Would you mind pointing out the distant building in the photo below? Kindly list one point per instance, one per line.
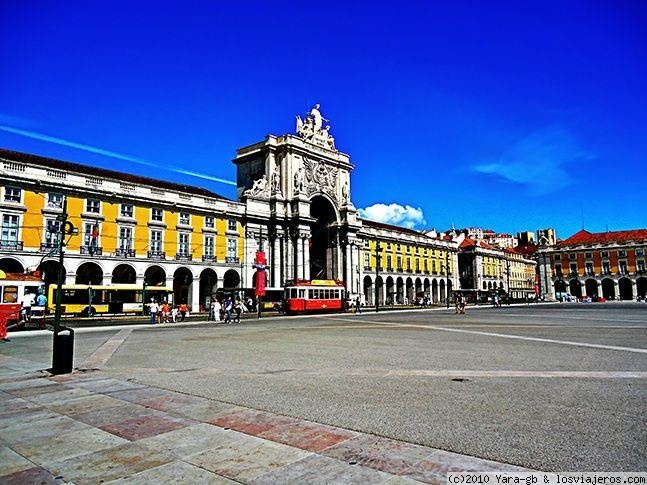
(607, 264)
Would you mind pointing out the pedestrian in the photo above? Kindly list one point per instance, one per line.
(166, 312)
(174, 314)
(238, 308)
(184, 309)
(228, 308)
(3, 329)
(27, 302)
(153, 308)
(216, 310)
(457, 304)
(462, 304)
(41, 302)
(358, 305)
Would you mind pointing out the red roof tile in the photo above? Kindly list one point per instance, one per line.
(586, 237)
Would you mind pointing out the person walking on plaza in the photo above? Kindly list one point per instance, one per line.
(153, 308)
(216, 307)
(358, 305)
(228, 308)
(238, 308)
(184, 309)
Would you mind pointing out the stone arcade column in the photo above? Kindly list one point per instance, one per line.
(306, 258)
(348, 267)
(288, 261)
(299, 249)
(195, 294)
(275, 264)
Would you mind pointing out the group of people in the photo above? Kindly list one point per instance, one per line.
(460, 303)
(31, 303)
(229, 311)
(164, 312)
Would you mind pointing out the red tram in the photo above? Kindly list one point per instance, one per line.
(13, 288)
(310, 296)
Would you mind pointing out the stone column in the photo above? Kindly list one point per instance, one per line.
(306, 258)
(299, 248)
(339, 266)
(616, 289)
(348, 267)
(599, 282)
(194, 304)
(275, 270)
(289, 259)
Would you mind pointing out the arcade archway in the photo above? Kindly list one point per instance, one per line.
(624, 289)
(182, 286)
(608, 289)
(125, 274)
(89, 274)
(155, 276)
(231, 279)
(10, 265)
(324, 257)
(208, 284)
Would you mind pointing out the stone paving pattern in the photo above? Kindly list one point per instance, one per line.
(85, 428)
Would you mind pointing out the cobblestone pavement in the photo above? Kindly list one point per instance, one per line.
(87, 428)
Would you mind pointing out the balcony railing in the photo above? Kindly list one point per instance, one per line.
(48, 247)
(400, 270)
(11, 245)
(183, 257)
(156, 255)
(125, 253)
(92, 250)
(232, 259)
(209, 258)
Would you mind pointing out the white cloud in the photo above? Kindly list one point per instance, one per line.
(396, 214)
(539, 160)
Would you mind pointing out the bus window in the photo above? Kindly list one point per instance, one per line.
(10, 294)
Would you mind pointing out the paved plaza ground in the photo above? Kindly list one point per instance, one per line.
(402, 396)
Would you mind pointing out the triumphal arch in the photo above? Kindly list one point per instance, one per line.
(296, 189)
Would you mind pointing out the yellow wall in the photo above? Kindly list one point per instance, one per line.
(32, 222)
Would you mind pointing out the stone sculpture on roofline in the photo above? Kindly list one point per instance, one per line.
(311, 129)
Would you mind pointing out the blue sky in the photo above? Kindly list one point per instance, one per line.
(506, 115)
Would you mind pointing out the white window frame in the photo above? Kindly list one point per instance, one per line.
(90, 206)
(54, 199)
(232, 225)
(232, 248)
(10, 232)
(12, 195)
(156, 244)
(126, 238)
(209, 246)
(184, 243)
(184, 218)
(157, 214)
(127, 210)
(209, 222)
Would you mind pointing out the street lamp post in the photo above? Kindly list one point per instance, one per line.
(378, 257)
(63, 345)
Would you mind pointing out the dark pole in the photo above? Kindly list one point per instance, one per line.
(545, 277)
(59, 280)
(377, 274)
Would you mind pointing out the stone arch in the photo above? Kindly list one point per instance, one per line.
(208, 285)
(575, 288)
(324, 257)
(379, 290)
(155, 276)
(442, 291)
(591, 287)
(625, 289)
(560, 286)
(124, 274)
(399, 290)
(49, 271)
(418, 286)
(11, 265)
(231, 279)
(368, 290)
(641, 287)
(390, 293)
(409, 290)
(450, 286)
(89, 273)
(484, 285)
(182, 285)
(434, 290)
(426, 287)
(608, 289)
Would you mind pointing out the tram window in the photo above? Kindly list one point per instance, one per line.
(311, 294)
(327, 294)
(10, 294)
(293, 292)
